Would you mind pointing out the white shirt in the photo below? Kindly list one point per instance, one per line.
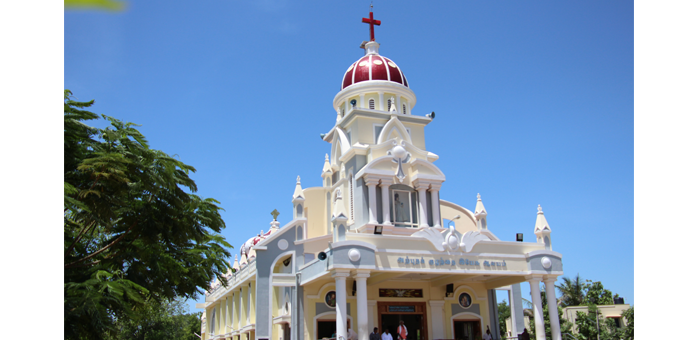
(352, 335)
(387, 336)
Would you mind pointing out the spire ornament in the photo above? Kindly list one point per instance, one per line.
(400, 156)
(371, 23)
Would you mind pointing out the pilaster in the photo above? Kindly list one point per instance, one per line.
(372, 190)
(421, 187)
(435, 201)
(437, 318)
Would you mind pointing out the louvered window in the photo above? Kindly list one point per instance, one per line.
(371, 104)
(404, 108)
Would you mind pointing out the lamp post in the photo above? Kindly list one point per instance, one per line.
(452, 220)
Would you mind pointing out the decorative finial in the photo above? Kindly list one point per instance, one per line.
(539, 209)
(274, 214)
(298, 179)
(401, 156)
(478, 197)
(371, 23)
(392, 104)
(326, 156)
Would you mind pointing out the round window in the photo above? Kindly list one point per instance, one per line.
(330, 299)
(465, 300)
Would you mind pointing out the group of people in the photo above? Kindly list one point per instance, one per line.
(401, 331)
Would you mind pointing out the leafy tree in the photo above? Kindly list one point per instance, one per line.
(628, 332)
(108, 5)
(159, 320)
(503, 314)
(596, 294)
(591, 326)
(572, 291)
(132, 232)
(586, 324)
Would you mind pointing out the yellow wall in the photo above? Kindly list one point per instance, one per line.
(316, 204)
(244, 307)
(478, 293)
(252, 303)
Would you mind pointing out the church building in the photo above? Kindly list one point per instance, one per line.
(375, 245)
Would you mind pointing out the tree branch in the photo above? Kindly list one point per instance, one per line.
(80, 235)
(103, 248)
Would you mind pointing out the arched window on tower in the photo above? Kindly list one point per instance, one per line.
(404, 108)
(371, 104)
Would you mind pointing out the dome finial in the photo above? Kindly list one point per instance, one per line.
(371, 23)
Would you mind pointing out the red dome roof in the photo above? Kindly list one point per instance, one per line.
(373, 67)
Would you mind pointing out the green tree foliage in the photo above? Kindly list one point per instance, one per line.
(596, 294)
(133, 229)
(572, 291)
(107, 5)
(592, 327)
(158, 320)
(628, 332)
(503, 314)
(579, 292)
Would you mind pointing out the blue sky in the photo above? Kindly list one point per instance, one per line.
(534, 104)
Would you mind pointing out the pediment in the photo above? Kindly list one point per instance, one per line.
(394, 129)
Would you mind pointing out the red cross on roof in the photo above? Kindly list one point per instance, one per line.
(371, 23)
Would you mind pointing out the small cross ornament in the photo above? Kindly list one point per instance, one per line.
(400, 156)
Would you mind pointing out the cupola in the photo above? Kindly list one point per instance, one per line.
(373, 67)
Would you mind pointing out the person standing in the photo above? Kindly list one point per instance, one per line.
(401, 331)
(375, 335)
(525, 335)
(386, 335)
(487, 336)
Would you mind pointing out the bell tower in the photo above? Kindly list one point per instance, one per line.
(378, 144)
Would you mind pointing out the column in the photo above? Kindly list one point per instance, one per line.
(386, 209)
(234, 310)
(422, 200)
(434, 188)
(220, 315)
(241, 309)
(372, 314)
(553, 312)
(227, 316)
(398, 104)
(516, 309)
(537, 307)
(372, 188)
(341, 313)
(362, 311)
(381, 105)
(437, 319)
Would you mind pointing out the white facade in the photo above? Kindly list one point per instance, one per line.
(375, 244)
